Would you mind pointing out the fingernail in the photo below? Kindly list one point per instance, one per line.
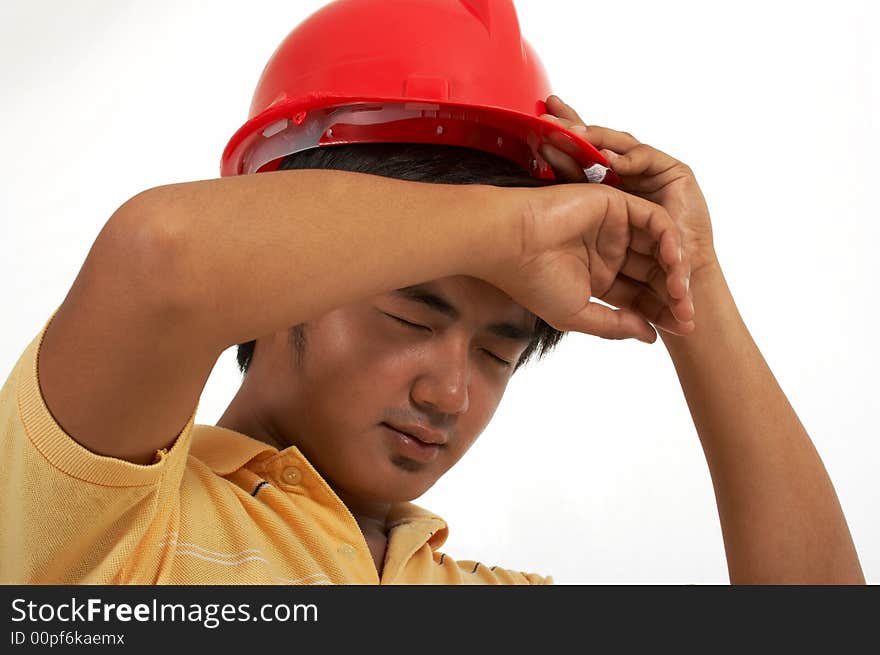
(679, 254)
(687, 282)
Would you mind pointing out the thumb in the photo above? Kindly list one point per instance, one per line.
(610, 323)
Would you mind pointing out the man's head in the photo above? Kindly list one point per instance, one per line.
(436, 356)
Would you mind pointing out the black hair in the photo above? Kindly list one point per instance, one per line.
(441, 164)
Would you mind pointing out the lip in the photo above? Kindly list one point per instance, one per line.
(426, 436)
(412, 447)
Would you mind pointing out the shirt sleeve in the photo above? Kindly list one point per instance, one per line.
(68, 515)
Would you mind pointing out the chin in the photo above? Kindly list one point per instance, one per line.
(384, 477)
(404, 487)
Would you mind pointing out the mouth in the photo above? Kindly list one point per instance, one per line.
(411, 446)
(421, 434)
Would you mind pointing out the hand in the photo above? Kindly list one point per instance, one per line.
(648, 173)
(571, 244)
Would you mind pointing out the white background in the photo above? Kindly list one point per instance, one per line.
(591, 470)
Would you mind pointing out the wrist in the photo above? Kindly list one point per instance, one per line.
(706, 275)
(494, 220)
(714, 308)
(704, 264)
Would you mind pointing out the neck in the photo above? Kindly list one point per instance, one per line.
(240, 418)
(370, 516)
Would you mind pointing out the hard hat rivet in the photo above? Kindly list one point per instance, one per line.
(329, 132)
(500, 142)
(439, 129)
(534, 164)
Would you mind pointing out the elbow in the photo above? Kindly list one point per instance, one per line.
(143, 244)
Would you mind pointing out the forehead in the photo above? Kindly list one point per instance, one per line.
(467, 299)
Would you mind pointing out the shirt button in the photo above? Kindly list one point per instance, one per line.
(347, 550)
(291, 475)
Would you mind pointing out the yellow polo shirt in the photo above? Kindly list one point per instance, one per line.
(218, 508)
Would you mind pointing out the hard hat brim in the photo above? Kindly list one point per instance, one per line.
(291, 126)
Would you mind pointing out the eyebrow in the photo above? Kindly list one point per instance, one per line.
(422, 294)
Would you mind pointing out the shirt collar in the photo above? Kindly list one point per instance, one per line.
(225, 451)
(412, 517)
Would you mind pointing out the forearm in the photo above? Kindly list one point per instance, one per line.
(260, 253)
(780, 517)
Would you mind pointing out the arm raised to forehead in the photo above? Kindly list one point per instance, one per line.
(258, 253)
(181, 272)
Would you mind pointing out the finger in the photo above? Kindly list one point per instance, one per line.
(631, 211)
(629, 294)
(653, 219)
(626, 154)
(642, 242)
(557, 106)
(657, 224)
(678, 272)
(643, 268)
(642, 160)
(574, 126)
(608, 323)
(564, 142)
(554, 138)
(603, 137)
(648, 271)
(566, 148)
(564, 166)
(558, 120)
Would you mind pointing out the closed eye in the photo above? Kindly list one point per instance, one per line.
(400, 320)
(492, 355)
(497, 358)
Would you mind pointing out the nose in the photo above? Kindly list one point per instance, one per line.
(444, 381)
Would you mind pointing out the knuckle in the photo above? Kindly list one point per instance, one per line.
(611, 327)
(564, 325)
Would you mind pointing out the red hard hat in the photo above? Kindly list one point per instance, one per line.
(454, 72)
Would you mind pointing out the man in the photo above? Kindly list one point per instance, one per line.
(410, 331)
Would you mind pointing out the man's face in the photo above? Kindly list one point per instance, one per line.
(364, 369)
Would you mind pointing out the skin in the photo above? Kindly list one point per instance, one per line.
(780, 517)
(443, 375)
